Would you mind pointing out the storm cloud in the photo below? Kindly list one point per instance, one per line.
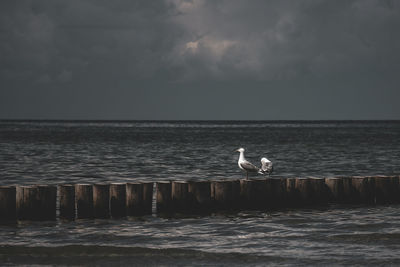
(174, 59)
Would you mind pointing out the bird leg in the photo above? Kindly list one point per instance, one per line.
(247, 175)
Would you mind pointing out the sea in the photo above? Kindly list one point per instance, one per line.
(55, 152)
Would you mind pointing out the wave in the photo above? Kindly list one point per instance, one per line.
(96, 255)
(106, 255)
(365, 238)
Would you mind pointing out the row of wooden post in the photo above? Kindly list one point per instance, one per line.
(275, 193)
(191, 197)
(76, 201)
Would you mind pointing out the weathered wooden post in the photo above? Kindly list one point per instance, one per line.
(27, 203)
(134, 199)
(275, 194)
(101, 201)
(66, 194)
(259, 193)
(319, 191)
(118, 200)
(254, 193)
(291, 195)
(7, 203)
(36, 202)
(396, 182)
(245, 189)
(180, 196)
(21, 206)
(396, 188)
(348, 194)
(223, 194)
(47, 197)
(363, 189)
(200, 194)
(386, 189)
(304, 189)
(84, 201)
(335, 189)
(163, 196)
(236, 194)
(148, 197)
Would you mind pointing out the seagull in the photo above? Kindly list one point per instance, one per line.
(266, 167)
(245, 165)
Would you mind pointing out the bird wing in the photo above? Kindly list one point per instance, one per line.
(266, 166)
(248, 166)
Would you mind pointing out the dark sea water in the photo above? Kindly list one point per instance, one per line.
(51, 152)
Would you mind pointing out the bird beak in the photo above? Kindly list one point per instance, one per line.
(237, 150)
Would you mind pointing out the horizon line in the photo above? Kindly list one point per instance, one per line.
(198, 120)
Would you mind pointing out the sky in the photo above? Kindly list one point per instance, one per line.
(200, 60)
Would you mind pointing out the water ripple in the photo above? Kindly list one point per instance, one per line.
(59, 152)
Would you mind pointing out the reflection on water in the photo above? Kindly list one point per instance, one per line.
(345, 235)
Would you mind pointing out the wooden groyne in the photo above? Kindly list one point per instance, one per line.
(116, 200)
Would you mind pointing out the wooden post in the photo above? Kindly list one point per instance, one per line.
(148, 197)
(101, 201)
(27, 203)
(200, 192)
(291, 194)
(236, 194)
(363, 189)
(259, 191)
(134, 199)
(396, 188)
(223, 194)
(304, 189)
(335, 189)
(275, 192)
(319, 191)
(348, 194)
(66, 194)
(254, 193)
(84, 201)
(118, 200)
(47, 198)
(7, 203)
(163, 197)
(180, 196)
(36, 202)
(245, 194)
(386, 189)
(20, 206)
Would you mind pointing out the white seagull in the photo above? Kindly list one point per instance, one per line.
(266, 166)
(245, 165)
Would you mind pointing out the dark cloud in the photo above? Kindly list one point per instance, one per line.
(287, 39)
(173, 59)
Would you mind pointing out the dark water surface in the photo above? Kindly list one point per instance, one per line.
(58, 152)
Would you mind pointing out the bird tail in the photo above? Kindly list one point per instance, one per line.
(267, 170)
